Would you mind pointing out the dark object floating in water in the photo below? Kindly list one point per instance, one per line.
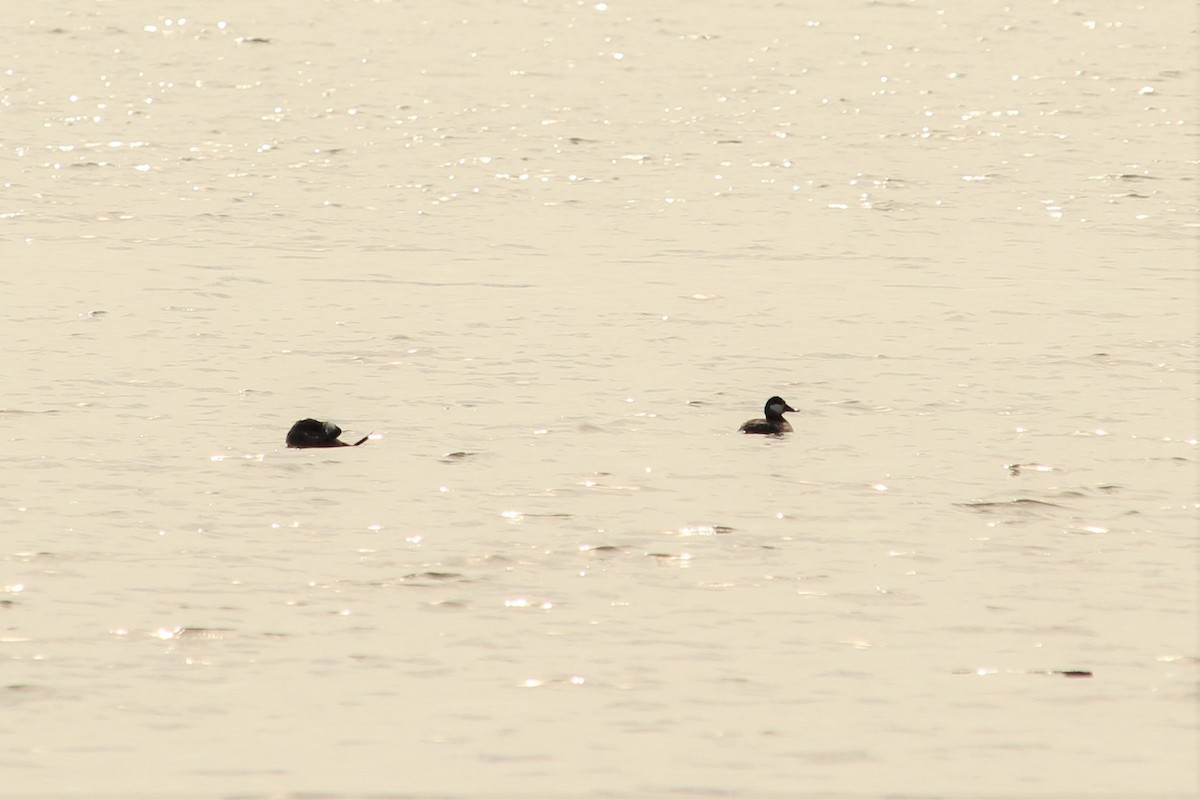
(774, 424)
(314, 433)
(1066, 673)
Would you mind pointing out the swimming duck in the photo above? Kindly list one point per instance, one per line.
(314, 433)
(774, 424)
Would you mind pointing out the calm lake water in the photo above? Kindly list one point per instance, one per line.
(552, 255)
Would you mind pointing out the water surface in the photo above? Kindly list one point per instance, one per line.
(552, 255)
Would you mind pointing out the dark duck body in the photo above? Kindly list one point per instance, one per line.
(774, 424)
(314, 433)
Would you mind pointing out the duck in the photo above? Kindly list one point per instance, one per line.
(314, 433)
(774, 424)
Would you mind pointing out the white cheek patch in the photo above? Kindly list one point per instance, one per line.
(777, 409)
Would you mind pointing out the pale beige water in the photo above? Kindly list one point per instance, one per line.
(583, 243)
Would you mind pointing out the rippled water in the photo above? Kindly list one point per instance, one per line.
(552, 255)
